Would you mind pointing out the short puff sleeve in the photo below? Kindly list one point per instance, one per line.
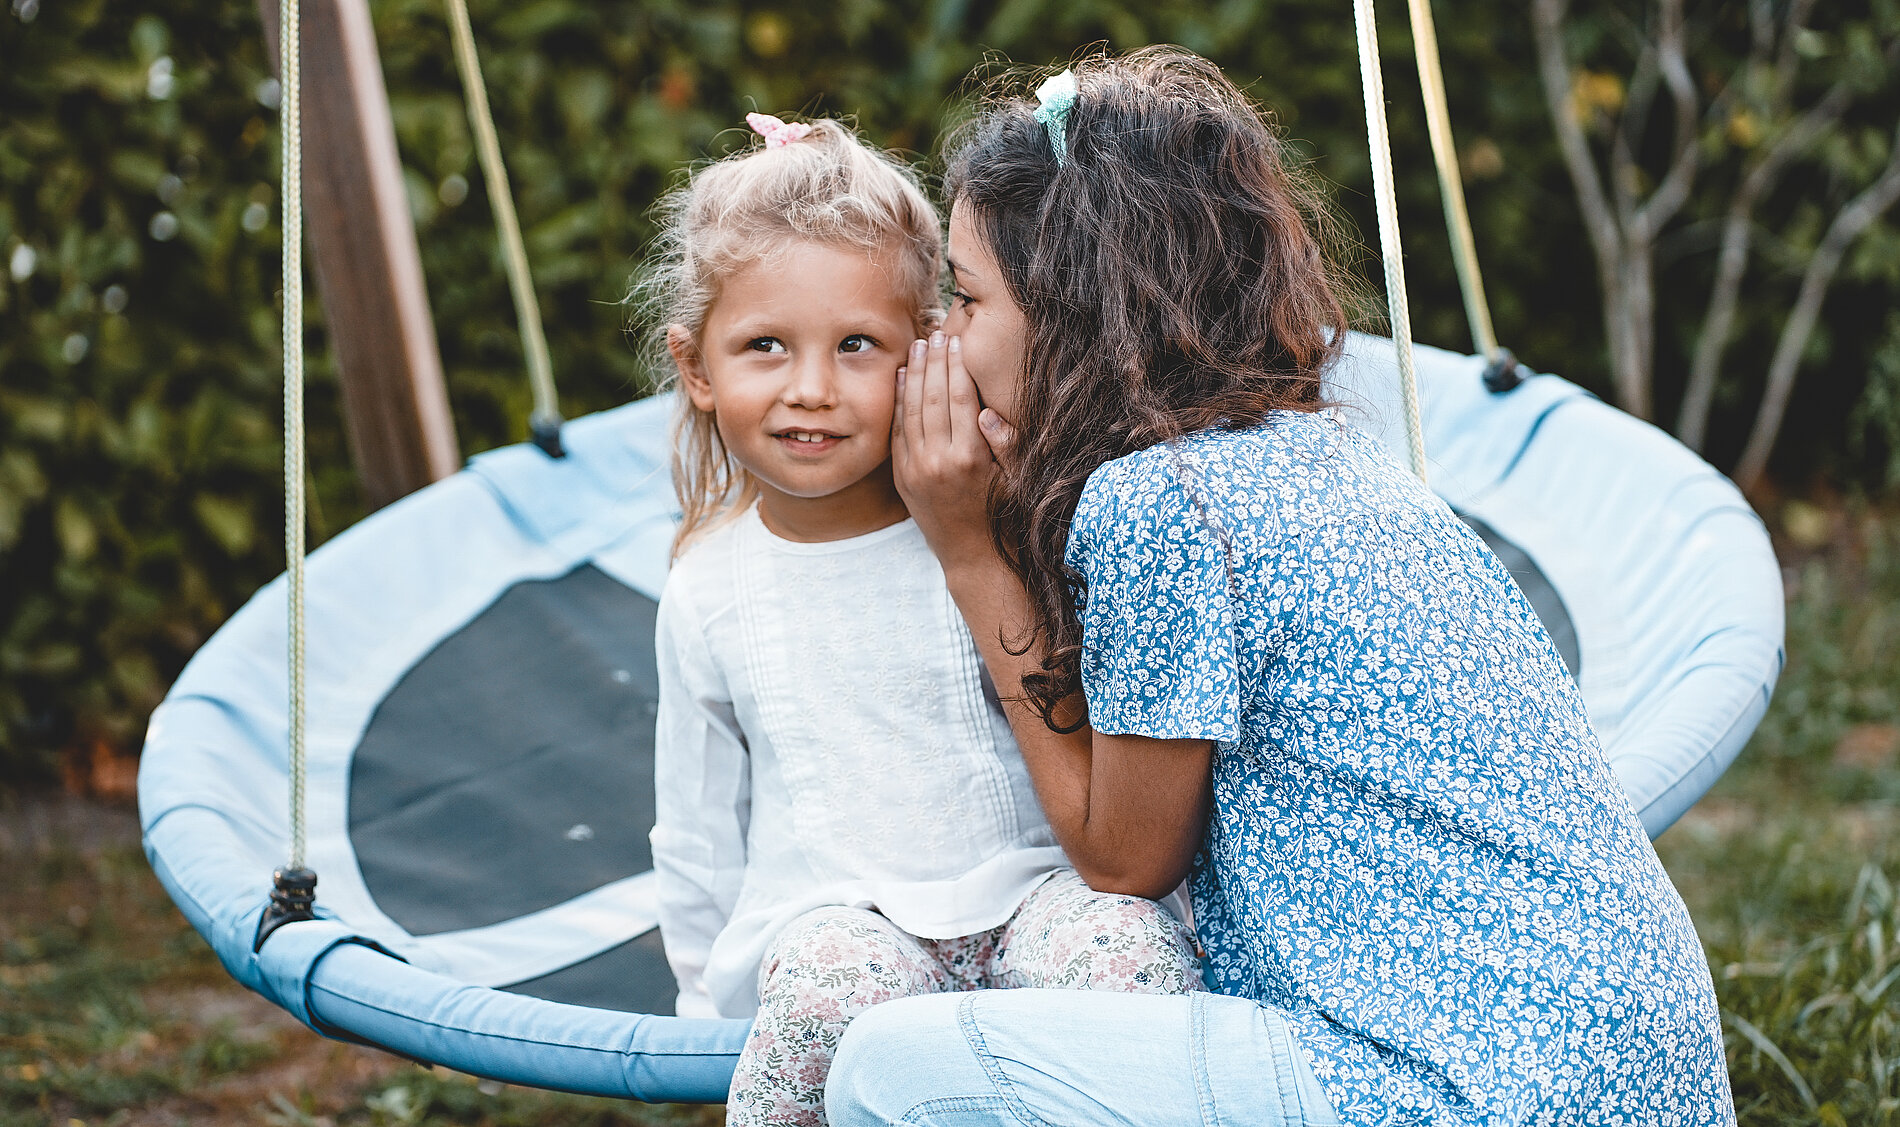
(1158, 656)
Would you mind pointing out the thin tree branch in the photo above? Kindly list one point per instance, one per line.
(1547, 20)
(1547, 17)
(1737, 236)
(1673, 192)
(1787, 61)
(1645, 77)
(1761, 29)
(1848, 225)
(1761, 44)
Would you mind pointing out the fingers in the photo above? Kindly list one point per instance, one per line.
(1000, 436)
(936, 434)
(936, 414)
(963, 403)
(897, 417)
(912, 407)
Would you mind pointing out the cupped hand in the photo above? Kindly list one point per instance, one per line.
(945, 450)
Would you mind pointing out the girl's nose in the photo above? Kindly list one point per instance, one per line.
(811, 382)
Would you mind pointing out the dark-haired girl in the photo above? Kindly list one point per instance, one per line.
(1253, 649)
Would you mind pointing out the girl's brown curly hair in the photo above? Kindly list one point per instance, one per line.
(1171, 273)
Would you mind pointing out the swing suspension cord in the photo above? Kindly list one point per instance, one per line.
(291, 124)
(546, 419)
(1379, 142)
(293, 887)
(1451, 189)
(293, 893)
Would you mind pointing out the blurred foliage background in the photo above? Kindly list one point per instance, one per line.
(139, 445)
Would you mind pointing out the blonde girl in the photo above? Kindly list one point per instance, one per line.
(843, 816)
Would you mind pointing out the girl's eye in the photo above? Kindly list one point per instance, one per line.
(960, 297)
(856, 342)
(765, 344)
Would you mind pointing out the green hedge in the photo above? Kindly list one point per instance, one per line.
(139, 449)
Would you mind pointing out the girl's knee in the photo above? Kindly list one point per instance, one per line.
(823, 939)
(837, 961)
(1100, 941)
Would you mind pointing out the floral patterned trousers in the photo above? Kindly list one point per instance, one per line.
(830, 964)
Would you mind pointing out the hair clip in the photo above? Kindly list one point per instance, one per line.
(777, 133)
(1054, 99)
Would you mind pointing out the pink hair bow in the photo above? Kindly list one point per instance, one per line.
(776, 132)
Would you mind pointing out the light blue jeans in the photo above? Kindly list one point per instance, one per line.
(1073, 1058)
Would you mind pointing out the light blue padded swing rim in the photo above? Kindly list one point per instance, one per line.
(1664, 570)
(1667, 573)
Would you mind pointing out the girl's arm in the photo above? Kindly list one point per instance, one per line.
(1129, 810)
(702, 802)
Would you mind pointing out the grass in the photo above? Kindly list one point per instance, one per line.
(1789, 865)
(113, 1012)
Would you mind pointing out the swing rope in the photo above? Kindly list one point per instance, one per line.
(295, 501)
(1379, 142)
(1501, 371)
(545, 422)
(293, 891)
(293, 887)
(1451, 188)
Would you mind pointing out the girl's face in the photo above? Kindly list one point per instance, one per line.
(797, 363)
(984, 314)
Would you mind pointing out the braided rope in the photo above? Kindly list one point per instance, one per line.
(1451, 188)
(1391, 254)
(291, 124)
(495, 175)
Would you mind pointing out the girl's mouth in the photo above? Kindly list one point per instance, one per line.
(807, 442)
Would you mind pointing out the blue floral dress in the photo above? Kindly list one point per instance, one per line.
(1417, 850)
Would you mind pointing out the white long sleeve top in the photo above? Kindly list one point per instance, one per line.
(826, 735)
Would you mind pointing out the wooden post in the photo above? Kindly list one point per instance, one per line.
(363, 246)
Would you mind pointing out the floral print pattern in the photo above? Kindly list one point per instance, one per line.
(831, 964)
(1417, 851)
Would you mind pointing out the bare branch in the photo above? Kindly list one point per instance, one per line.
(1645, 77)
(1673, 192)
(1761, 29)
(1853, 219)
(1761, 26)
(1787, 62)
(1737, 235)
(1547, 18)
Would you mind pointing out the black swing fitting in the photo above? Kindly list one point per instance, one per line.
(546, 431)
(1504, 372)
(293, 895)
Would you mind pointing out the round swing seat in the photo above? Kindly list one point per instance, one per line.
(481, 692)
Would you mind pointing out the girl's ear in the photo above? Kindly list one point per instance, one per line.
(692, 367)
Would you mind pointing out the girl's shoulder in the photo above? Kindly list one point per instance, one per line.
(701, 576)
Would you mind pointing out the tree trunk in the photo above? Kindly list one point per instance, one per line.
(368, 266)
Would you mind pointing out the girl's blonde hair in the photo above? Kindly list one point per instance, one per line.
(828, 187)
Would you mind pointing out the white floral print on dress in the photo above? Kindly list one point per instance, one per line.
(1417, 850)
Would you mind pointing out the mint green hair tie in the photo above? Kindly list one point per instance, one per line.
(1054, 99)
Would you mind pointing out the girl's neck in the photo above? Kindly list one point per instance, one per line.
(866, 505)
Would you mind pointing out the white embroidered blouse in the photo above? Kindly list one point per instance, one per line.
(827, 736)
